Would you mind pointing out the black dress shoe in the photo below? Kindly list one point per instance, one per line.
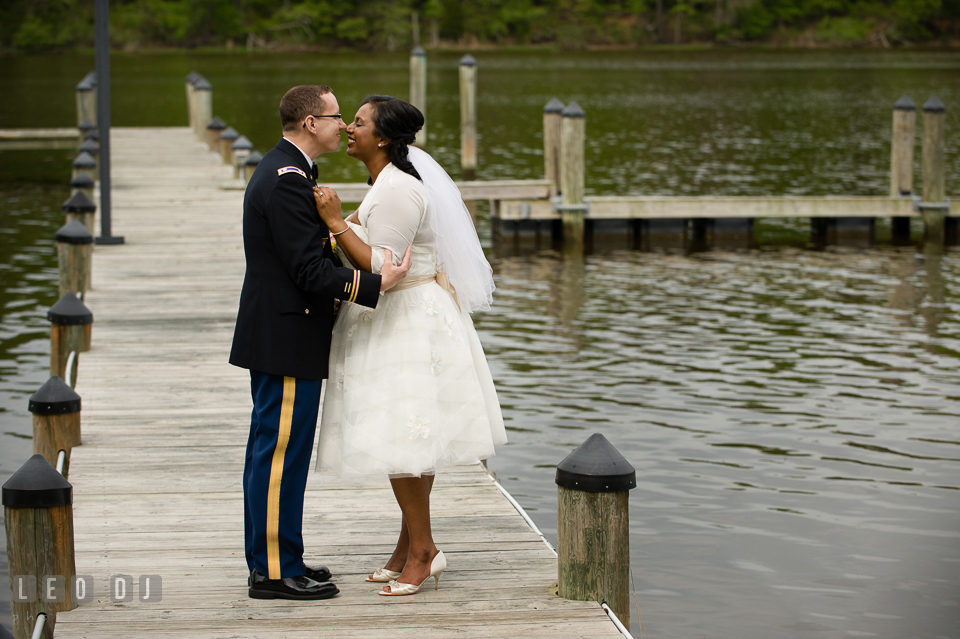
(318, 573)
(301, 587)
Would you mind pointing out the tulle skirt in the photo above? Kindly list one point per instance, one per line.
(410, 392)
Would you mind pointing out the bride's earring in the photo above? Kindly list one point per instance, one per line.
(379, 144)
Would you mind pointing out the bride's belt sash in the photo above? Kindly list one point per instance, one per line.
(439, 277)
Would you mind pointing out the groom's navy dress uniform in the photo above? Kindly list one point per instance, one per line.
(283, 337)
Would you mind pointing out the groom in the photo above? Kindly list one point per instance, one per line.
(283, 337)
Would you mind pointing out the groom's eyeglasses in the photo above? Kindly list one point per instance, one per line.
(332, 115)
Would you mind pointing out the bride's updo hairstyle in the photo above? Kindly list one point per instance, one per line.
(397, 121)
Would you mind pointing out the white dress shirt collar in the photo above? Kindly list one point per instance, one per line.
(308, 158)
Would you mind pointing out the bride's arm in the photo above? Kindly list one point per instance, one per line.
(328, 206)
(391, 224)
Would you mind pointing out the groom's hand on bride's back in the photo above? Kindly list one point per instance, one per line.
(390, 274)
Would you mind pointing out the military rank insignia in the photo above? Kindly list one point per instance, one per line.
(291, 169)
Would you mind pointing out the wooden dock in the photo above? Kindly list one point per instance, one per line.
(30, 139)
(157, 481)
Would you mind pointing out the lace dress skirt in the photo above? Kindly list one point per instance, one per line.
(410, 392)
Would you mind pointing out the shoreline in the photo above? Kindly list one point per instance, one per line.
(800, 45)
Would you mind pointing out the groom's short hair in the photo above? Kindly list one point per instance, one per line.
(299, 102)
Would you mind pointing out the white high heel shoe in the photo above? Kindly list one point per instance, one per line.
(437, 566)
(383, 576)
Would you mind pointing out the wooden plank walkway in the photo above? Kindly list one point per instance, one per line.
(157, 481)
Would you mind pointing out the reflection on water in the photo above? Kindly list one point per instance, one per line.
(791, 415)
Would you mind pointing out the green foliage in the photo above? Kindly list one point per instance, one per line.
(39, 25)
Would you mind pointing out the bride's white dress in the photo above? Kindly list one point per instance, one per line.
(409, 391)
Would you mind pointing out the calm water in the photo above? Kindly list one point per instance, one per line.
(792, 413)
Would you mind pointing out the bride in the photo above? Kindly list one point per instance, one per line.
(409, 393)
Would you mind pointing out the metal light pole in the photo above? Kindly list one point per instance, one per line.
(102, 34)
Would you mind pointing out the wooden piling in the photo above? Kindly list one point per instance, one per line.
(80, 206)
(241, 151)
(572, 211)
(38, 518)
(227, 138)
(87, 99)
(84, 163)
(203, 105)
(75, 257)
(251, 165)
(934, 206)
(593, 525)
(215, 127)
(468, 116)
(418, 90)
(901, 147)
(92, 148)
(71, 326)
(192, 78)
(56, 421)
(552, 127)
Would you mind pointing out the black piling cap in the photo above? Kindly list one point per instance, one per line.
(83, 181)
(87, 84)
(596, 467)
(55, 397)
(37, 485)
(84, 161)
(933, 105)
(553, 106)
(79, 202)
(468, 61)
(91, 147)
(87, 125)
(418, 51)
(254, 159)
(229, 134)
(192, 77)
(573, 110)
(202, 85)
(904, 104)
(216, 124)
(242, 144)
(73, 232)
(69, 311)
(92, 134)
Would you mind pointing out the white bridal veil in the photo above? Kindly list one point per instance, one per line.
(459, 247)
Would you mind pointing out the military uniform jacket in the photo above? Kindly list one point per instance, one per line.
(286, 306)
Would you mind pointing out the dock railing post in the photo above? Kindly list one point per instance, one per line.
(215, 127)
(56, 421)
(572, 211)
(902, 142)
(227, 138)
(74, 257)
(87, 99)
(418, 90)
(934, 206)
(251, 165)
(84, 163)
(38, 517)
(71, 325)
(552, 126)
(92, 148)
(593, 525)
(192, 78)
(241, 151)
(79, 206)
(468, 116)
(203, 100)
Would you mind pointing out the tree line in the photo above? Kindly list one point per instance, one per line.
(45, 25)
